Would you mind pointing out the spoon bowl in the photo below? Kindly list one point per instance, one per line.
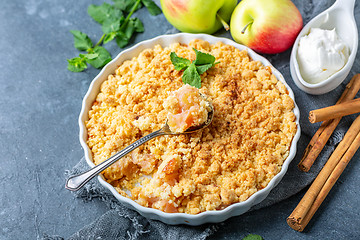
(76, 182)
(341, 17)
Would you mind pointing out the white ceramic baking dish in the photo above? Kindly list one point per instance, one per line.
(181, 218)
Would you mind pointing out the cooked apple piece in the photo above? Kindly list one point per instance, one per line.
(186, 108)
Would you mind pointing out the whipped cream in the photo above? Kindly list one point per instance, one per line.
(320, 54)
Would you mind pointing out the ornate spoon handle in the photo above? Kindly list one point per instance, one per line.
(76, 182)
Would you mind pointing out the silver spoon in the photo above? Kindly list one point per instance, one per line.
(76, 182)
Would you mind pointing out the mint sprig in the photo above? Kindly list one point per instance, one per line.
(193, 69)
(96, 56)
(116, 24)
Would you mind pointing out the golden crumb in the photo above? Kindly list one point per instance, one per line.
(237, 155)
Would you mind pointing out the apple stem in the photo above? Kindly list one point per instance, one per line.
(225, 25)
(243, 31)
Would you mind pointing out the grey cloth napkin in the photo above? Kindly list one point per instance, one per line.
(121, 223)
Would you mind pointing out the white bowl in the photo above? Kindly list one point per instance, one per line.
(341, 17)
(181, 218)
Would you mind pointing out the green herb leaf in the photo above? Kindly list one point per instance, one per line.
(178, 62)
(193, 70)
(99, 13)
(191, 76)
(76, 64)
(203, 58)
(133, 25)
(151, 7)
(103, 12)
(129, 29)
(109, 37)
(203, 61)
(89, 56)
(126, 5)
(111, 25)
(103, 57)
(139, 27)
(121, 39)
(81, 41)
(203, 68)
(253, 237)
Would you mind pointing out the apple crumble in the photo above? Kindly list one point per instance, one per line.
(237, 155)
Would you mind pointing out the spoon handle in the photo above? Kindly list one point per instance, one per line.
(76, 182)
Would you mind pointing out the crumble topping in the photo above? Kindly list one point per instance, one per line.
(237, 155)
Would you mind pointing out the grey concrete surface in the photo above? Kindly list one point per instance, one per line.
(40, 101)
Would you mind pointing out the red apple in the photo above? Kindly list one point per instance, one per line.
(266, 26)
(198, 16)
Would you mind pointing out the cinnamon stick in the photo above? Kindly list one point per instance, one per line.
(327, 177)
(327, 127)
(335, 111)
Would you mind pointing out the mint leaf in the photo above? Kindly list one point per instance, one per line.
(81, 41)
(203, 61)
(76, 64)
(191, 76)
(99, 13)
(203, 58)
(89, 56)
(151, 7)
(111, 25)
(178, 62)
(203, 68)
(121, 39)
(109, 37)
(126, 5)
(103, 57)
(129, 29)
(103, 12)
(139, 27)
(253, 237)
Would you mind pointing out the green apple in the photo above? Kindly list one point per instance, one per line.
(266, 26)
(198, 16)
